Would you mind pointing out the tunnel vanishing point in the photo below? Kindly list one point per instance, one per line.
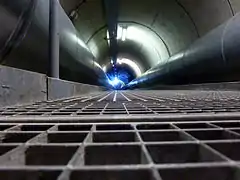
(119, 89)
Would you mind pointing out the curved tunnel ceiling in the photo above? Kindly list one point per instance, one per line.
(157, 29)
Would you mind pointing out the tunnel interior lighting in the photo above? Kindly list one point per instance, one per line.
(124, 70)
(104, 69)
(108, 37)
(124, 34)
(121, 34)
(120, 75)
(116, 83)
(131, 64)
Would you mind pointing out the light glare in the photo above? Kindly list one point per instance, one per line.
(132, 64)
(116, 83)
(124, 34)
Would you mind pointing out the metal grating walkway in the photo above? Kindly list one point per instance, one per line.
(134, 103)
(142, 135)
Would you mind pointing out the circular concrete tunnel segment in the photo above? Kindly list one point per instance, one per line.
(150, 33)
(156, 29)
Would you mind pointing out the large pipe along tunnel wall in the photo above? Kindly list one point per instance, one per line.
(170, 41)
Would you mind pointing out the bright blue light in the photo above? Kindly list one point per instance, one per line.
(119, 76)
(116, 83)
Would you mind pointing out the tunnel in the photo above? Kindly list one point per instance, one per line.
(134, 37)
(119, 89)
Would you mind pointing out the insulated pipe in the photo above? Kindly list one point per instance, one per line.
(210, 58)
(24, 42)
(53, 40)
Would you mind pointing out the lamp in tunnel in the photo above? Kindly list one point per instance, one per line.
(124, 71)
(124, 34)
(121, 34)
(116, 83)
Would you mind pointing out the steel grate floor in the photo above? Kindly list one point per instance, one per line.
(133, 103)
(142, 135)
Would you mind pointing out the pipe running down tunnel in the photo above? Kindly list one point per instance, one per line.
(209, 59)
(143, 44)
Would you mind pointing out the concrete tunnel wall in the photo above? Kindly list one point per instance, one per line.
(174, 24)
(177, 23)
